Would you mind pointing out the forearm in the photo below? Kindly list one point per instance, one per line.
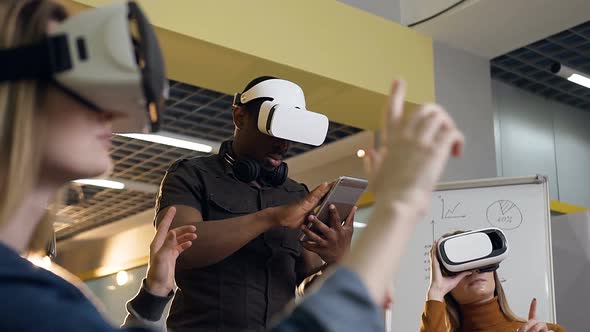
(378, 251)
(220, 238)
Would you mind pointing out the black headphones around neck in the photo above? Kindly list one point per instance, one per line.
(248, 170)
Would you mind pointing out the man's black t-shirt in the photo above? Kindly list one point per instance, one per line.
(244, 291)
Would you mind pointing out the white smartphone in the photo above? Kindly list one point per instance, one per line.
(344, 194)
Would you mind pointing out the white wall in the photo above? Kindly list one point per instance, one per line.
(463, 87)
(417, 10)
(526, 141)
(389, 9)
(402, 11)
(537, 135)
(572, 147)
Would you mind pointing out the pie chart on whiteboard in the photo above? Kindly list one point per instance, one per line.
(504, 214)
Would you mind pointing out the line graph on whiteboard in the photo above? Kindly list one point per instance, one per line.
(450, 210)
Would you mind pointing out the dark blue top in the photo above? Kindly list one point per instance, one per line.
(247, 289)
(34, 299)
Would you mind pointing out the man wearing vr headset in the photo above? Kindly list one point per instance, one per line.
(248, 260)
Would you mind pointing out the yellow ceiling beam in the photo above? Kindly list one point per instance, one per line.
(343, 58)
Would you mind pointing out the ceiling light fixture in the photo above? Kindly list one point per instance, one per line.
(179, 141)
(101, 183)
(571, 75)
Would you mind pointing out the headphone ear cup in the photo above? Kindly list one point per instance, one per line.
(278, 176)
(246, 170)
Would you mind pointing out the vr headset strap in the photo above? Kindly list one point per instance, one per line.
(36, 61)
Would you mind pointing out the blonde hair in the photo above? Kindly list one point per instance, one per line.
(23, 22)
(454, 317)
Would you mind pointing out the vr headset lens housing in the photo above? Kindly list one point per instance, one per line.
(107, 58)
(123, 71)
(481, 250)
(283, 114)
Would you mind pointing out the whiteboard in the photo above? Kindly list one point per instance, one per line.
(520, 207)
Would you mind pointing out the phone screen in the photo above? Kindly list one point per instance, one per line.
(344, 195)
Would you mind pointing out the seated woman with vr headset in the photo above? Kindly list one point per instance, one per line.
(465, 292)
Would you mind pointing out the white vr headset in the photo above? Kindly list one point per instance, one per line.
(283, 113)
(481, 250)
(108, 58)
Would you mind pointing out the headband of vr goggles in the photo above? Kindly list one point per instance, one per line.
(283, 113)
(107, 58)
(481, 250)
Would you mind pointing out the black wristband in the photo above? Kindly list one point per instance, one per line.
(149, 306)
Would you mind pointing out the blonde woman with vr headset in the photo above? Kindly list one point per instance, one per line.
(56, 121)
(472, 301)
(56, 118)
